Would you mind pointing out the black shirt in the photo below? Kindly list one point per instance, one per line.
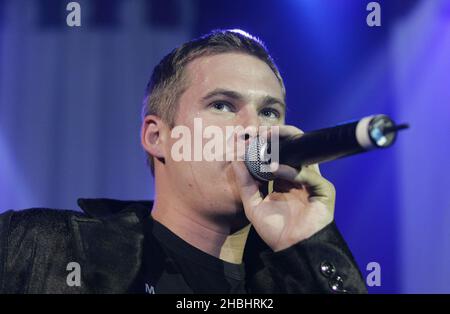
(191, 270)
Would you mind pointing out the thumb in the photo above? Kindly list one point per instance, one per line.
(248, 187)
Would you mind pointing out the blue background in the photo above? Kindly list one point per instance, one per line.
(70, 101)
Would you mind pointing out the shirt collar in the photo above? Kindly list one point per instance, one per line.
(104, 207)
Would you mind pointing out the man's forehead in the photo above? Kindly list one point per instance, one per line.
(237, 72)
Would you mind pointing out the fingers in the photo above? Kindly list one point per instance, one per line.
(249, 188)
(284, 131)
(289, 130)
(320, 188)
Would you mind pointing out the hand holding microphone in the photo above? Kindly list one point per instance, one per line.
(302, 202)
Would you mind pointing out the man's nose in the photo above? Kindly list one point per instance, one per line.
(251, 123)
(251, 119)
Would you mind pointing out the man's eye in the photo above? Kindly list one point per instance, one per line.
(222, 106)
(271, 113)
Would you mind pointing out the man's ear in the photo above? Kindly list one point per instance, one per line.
(153, 136)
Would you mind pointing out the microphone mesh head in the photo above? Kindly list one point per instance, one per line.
(257, 160)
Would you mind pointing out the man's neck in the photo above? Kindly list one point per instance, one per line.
(213, 239)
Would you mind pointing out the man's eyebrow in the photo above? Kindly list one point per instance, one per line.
(224, 92)
(267, 100)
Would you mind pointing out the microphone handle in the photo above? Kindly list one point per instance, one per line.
(376, 131)
(320, 146)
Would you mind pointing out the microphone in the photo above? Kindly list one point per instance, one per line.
(372, 132)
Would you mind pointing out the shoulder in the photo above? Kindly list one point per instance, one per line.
(41, 222)
(38, 217)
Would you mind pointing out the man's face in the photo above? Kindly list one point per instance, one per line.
(230, 89)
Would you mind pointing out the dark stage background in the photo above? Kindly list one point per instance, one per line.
(70, 100)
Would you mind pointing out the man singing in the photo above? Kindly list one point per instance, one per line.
(212, 227)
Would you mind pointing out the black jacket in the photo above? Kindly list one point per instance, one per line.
(107, 241)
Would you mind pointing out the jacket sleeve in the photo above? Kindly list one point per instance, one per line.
(322, 263)
(4, 230)
(35, 248)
